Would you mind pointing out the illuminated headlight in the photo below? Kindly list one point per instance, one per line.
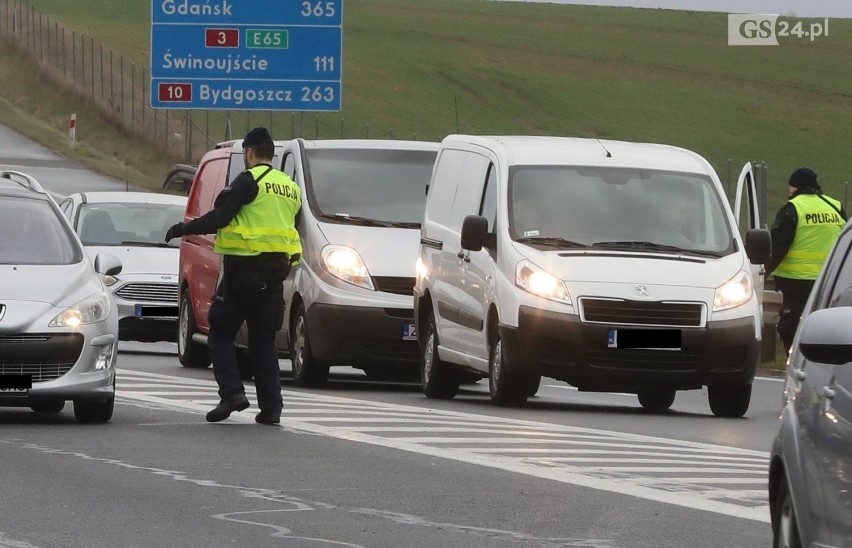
(94, 308)
(104, 359)
(421, 270)
(538, 282)
(736, 291)
(344, 263)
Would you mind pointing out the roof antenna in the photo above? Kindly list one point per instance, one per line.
(608, 154)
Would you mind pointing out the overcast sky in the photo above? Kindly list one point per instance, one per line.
(790, 8)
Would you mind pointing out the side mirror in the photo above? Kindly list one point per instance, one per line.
(825, 337)
(474, 233)
(107, 264)
(758, 245)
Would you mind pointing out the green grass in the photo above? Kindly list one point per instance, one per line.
(427, 68)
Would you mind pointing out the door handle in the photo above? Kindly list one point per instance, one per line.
(463, 255)
(799, 374)
(828, 392)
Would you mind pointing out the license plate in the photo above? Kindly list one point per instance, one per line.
(645, 339)
(156, 312)
(409, 333)
(15, 384)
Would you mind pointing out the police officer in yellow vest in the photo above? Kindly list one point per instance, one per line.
(255, 221)
(805, 230)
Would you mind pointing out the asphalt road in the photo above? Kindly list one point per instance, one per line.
(358, 463)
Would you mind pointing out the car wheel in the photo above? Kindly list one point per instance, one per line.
(729, 400)
(191, 354)
(55, 406)
(533, 383)
(504, 388)
(437, 378)
(656, 401)
(244, 365)
(94, 411)
(785, 530)
(306, 371)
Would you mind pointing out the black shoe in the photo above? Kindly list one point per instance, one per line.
(226, 407)
(267, 418)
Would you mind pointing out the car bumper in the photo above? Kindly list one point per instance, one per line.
(356, 335)
(562, 347)
(77, 380)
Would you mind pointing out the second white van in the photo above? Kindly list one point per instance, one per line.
(613, 266)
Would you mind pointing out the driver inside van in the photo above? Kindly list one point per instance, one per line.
(672, 220)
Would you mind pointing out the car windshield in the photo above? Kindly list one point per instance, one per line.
(31, 232)
(127, 223)
(370, 187)
(621, 209)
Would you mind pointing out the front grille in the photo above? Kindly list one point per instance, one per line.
(644, 361)
(624, 312)
(44, 356)
(149, 292)
(393, 284)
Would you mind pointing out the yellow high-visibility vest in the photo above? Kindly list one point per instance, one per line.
(818, 228)
(268, 223)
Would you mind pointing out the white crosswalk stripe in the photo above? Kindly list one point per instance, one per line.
(713, 478)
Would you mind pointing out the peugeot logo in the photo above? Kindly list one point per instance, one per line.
(2, 311)
(641, 291)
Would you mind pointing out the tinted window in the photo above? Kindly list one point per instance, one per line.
(31, 232)
(841, 294)
(471, 180)
(128, 223)
(388, 186)
(444, 185)
(597, 205)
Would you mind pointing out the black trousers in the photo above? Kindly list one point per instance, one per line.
(240, 297)
(796, 293)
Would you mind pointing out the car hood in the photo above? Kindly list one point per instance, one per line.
(387, 251)
(636, 268)
(141, 260)
(57, 286)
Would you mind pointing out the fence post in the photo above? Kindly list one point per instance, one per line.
(111, 86)
(144, 103)
(132, 93)
(64, 72)
(74, 57)
(92, 59)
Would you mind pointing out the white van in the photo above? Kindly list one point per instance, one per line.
(566, 258)
(349, 302)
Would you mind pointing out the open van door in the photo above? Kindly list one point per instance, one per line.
(747, 211)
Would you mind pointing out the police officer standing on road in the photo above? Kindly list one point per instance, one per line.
(255, 223)
(805, 230)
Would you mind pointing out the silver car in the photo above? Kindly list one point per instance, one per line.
(810, 475)
(58, 322)
(131, 226)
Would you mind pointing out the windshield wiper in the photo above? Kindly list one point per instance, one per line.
(147, 244)
(403, 224)
(638, 244)
(355, 220)
(551, 242)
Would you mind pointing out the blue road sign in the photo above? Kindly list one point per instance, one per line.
(247, 54)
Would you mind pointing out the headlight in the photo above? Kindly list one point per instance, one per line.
(420, 269)
(344, 263)
(94, 308)
(109, 280)
(538, 282)
(734, 292)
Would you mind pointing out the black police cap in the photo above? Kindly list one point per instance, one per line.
(257, 136)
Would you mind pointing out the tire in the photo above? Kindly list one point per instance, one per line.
(48, 407)
(244, 365)
(656, 401)
(533, 383)
(785, 530)
(437, 378)
(505, 388)
(729, 400)
(191, 354)
(94, 412)
(306, 371)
